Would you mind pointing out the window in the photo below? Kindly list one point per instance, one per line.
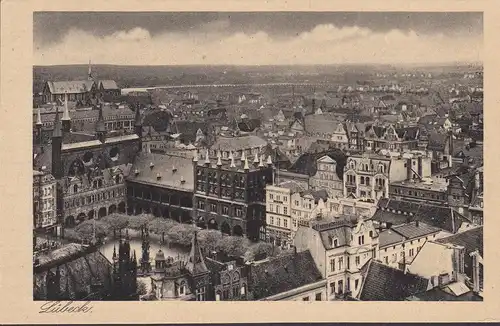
(341, 262)
(239, 212)
(213, 207)
(362, 180)
(332, 265)
(305, 299)
(243, 290)
(367, 181)
(271, 207)
(225, 294)
(285, 223)
(236, 292)
(278, 198)
(277, 209)
(332, 288)
(294, 221)
(335, 243)
(318, 296)
(278, 221)
(361, 240)
(200, 294)
(386, 260)
(225, 210)
(285, 210)
(357, 260)
(182, 288)
(285, 199)
(271, 220)
(412, 252)
(271, 196)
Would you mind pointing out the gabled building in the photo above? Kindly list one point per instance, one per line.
(340, 248)
(326, 177)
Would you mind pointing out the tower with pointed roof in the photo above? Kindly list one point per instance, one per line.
(66, 119)
(138, 125)
(57, 139)
(100, 127)
(198, 271)
(39, 125)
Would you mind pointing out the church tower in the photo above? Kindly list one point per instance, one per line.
(198, 271)
(57, 139)
(66, 120)
(138, 125)
(89, 74)
(100, 126)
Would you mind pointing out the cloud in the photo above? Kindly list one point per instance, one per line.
(324, 44)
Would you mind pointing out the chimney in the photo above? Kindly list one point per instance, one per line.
(416, 223)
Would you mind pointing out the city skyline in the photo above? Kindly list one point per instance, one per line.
(270, 38)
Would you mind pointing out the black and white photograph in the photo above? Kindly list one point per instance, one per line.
(257, 156)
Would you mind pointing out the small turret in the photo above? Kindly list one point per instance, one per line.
(219, 159)
(269, 160)
(231, 157)
(207, 158)
(246, 167)
(38, 118)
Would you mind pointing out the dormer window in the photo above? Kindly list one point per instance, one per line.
(151, 165)
(75, 189)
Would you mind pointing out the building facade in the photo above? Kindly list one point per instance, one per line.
(230, 194)
(44, 200)
(327, 178)
(340, 248)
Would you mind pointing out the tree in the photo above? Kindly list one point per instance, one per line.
(159, 225)
(181, 234)
(209, 239)
(116, 222)
(234, 246)
(139, 221)
(141, 287)
(85, 230)
(260, 250)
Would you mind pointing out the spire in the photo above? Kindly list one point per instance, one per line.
(114, 253)
(66, 120)
(261, 161)
(269, 160)
(90, 72)
(256, 158)
(207, 159)
(38, 118)
(219, 161)
(231, 157)
(57, 125)
(196, 263)
(138, 121)
(66, 110)
(101, 127)
(243, 156)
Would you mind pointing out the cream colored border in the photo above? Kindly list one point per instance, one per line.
(16, 303)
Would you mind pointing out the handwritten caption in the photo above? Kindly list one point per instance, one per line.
(56, 307)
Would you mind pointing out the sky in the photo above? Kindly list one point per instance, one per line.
(257, 38)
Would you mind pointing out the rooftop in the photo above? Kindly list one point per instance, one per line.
(282, 274)
(384, 283)
(170, 171)
(435, 184)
